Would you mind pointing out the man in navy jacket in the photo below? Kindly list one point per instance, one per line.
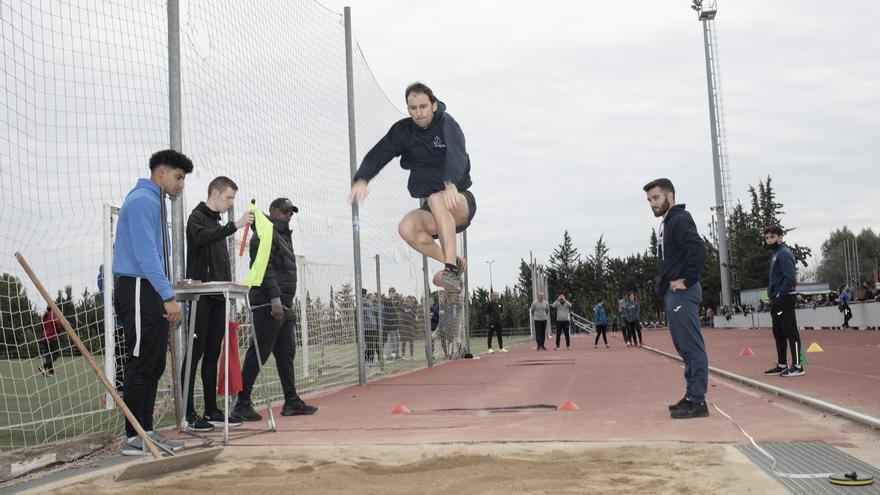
(432, 147)
(681, 255)
(783, 298)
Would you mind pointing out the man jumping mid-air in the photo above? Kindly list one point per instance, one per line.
(431, 146)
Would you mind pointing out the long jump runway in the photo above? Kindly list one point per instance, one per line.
(491, 425)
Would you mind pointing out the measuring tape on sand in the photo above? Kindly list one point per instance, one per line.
(846, 479)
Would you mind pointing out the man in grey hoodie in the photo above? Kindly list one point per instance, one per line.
(563, 317)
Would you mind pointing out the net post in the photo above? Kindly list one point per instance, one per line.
(429, 342)
(107, 301)
(355, 220)
(466, 304)
(380, 323)
(304, 318)
(175, 121)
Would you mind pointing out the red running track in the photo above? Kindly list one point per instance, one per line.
(622, 394)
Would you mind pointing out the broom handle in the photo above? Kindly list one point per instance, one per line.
(86, 354)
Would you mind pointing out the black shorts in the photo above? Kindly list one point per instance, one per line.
(472, 210)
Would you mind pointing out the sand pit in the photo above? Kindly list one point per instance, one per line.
(486, 468)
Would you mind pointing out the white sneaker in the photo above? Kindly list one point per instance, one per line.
(491, 350)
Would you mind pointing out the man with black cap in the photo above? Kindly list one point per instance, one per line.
(783, 298)
(272, 308)
(431, 146)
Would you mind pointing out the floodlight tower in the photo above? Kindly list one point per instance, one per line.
(706, 11)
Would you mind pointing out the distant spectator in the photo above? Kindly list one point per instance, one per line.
(710, 318)
(371, 330)
(845, 298)
(408, 326)
(49, 343)
(867, 295)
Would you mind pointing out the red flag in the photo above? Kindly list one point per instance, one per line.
(234, 366)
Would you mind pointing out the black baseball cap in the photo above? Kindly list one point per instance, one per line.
(284, 204)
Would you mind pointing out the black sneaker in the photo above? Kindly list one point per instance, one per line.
(198, 423)
(244, 412)
(297, 407)
(793, 371)
(691, 410)
(776, 371)
(216, 419)
(678, 404)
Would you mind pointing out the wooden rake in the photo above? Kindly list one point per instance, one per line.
(158, 465)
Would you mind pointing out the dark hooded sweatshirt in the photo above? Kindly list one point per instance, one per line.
(433, 156)
(207, 257)
(680, 251)
(783, 273)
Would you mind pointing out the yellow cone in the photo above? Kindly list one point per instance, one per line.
(814, 347)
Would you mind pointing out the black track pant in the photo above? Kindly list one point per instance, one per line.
(273, 337)
(210, 328)
(141, 310)
(495, 329)
(785, 330)
(540, 333)
(51, 352)
(563, 327)
(601, 330)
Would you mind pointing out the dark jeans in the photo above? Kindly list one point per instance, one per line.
(601, 330)
(51, 352)
(635, 332)
(209, 330)
(540, 333)
(563, 327)
(785, 328)
(683, 314)
(495, 329)
(146, 347)
(273, 337)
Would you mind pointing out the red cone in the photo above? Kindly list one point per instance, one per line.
(568, 406)
(746, 352)
(401, 409)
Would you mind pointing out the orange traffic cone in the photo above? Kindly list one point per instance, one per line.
(401, 409)
(746, 352)
(568, 406)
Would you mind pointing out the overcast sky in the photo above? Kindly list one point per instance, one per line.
(568, 108)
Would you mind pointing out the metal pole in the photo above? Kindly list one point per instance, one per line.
(429, 342)
(230, 247)
(534, 296)
(355, 215)
(379, 319)
(175, 115)
(723, 254)
(107, 299)
(467, 299)
(303, 315)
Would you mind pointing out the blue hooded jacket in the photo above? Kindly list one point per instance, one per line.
(783, 274)
(599, 317)
(433, 155)
(138, 250)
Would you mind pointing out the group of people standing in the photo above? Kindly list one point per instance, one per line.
(389, 325)
(540, 312)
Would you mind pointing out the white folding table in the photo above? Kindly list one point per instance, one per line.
(192, 291)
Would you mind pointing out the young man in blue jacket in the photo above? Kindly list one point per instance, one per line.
(783, 298)
(144, 299)
(432, 147)
(681, 255)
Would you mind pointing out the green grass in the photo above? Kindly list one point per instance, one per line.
(35, 409)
